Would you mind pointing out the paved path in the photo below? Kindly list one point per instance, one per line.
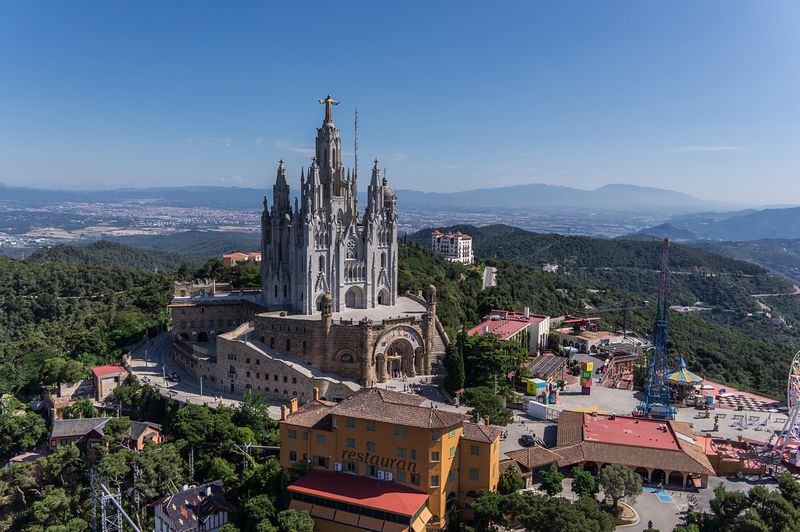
(794, 293)
(151, 362)
(489, 277)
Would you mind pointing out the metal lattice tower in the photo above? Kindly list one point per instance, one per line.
(790, 433)
(110, 504)
(656, 402)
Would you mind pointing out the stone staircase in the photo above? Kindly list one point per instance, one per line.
(439, 347)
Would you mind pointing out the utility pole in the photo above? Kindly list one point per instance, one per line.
(201, 385)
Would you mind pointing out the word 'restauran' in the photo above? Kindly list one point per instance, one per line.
(380, 461)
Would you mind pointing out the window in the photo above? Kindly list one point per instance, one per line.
(258, 376)
(351, 423)
(401, 431)
(351, 467)
(247, 360)
(321, 439)
(452, 452)
(451, 476)
(248, 374)
(413, 454)
(370, 426)
(322, 462)
(285, 378)
(293, 456)
(305, 436)
(288, 344)
(415, 479)
(292, 434)
(371, 446)
(434, 456)
(351, 443)
(434, 481)
(373, 471)
(401, 452)
(258, 361)
(294, 380)
(452, 433)
(346, 358)
(435, 435)
(401, 475)
(272, 341)
(275, 377)
(473, 473)
(474, 450)
(304, 347)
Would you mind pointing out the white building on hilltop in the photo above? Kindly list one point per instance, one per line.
(456, 247)
(324, 245)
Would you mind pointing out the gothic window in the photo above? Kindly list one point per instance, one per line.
(346, 358)
(321, 263)
(285, 291)
(351, 249)
(276, 290)
(383, 259)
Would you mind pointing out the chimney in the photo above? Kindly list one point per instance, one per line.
(527, 312)
(486, 420)
(293, 405)
(316, 393)
(283, 412)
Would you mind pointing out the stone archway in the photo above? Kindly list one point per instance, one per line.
(202, 337)
(675, 478)
(399, 351)
(383, 297)
(642, 472)
(591, 467)
(658, 476)
(354, 297)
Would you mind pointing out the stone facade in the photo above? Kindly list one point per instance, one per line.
(324, 245)
(328, 315)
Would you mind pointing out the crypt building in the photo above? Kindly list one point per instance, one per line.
(328, 315)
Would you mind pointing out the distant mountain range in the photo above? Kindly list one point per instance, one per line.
(533, 196)
(781, 223)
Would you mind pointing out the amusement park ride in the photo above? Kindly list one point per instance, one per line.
(656, 402)
(789, 438)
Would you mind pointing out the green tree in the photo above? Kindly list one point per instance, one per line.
(454, 364)
(81, 408)
(20, 429)
(258, 509)
(485, 404)
(294, 521)
(619, 482)
(552, 481)
(510, 481)
(583, 482)
(488, 509)
(116, 432)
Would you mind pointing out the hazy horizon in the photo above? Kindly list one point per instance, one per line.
(698, 98)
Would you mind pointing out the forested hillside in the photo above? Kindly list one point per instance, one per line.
(196, 243)
(730, 343)
(50, 312)
(114, 255)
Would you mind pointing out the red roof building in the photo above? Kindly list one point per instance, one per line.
(106, 378)
(522, 327)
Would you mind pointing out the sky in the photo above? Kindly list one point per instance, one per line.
(699, 97)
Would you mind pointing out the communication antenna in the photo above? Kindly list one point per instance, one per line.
(356, 143)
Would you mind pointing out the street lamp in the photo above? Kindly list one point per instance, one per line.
(201, 385)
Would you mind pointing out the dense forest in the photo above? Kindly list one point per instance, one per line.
(114, 255)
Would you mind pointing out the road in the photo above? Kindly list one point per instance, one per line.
(794, 293)
(489, 277)
(151, 362)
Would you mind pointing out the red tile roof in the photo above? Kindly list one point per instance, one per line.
(108, 370)
(361, 491)
(506, 323)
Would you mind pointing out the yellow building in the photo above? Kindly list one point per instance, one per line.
(380, 460)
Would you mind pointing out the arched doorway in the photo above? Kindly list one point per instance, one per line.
(400, 358)
(675, 479)
(591, 467)
(354, 297)
(658, 476)
(642, 473)
(202, 337)
(232, 385)
(383, 297)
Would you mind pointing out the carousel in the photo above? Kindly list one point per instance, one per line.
(683, 383)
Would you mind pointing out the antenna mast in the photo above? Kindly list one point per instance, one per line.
(356, 144)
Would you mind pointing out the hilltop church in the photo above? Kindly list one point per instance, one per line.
(328, 315)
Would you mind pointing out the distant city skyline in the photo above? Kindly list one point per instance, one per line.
(700, 98)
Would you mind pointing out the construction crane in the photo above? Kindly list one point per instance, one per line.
(656, 402)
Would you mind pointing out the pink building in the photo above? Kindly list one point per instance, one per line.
(510, 325)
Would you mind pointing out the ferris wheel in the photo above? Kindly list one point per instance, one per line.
(790, 434)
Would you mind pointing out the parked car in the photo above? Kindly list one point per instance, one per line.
(526, 440)
(174, 377)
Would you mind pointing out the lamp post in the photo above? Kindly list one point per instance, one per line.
(201, 385)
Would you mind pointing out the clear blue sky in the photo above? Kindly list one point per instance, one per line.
(701, 97)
